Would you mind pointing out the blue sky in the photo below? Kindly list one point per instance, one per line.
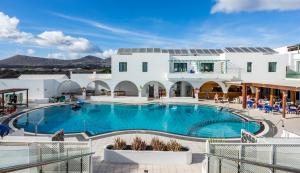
(74, 28)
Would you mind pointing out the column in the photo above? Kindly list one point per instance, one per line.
(27, 98)
(3, 101)
(284, 95)
(257, 90)
(293, 97)
(244, 95)
(271, 97)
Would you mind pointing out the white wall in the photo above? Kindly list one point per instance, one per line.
(158, 68)
(259, 66)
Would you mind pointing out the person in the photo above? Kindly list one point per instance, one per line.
(216, 98)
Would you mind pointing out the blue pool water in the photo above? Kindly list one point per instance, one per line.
(190, 120)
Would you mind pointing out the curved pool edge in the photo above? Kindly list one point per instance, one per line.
(263, 130)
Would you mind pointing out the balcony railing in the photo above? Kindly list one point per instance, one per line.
(291, 73)
(45, 156)
(253, 157)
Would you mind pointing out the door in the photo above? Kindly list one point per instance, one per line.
(298, 66)
(151, 91)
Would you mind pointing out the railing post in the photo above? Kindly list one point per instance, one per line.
(67, 163)
(208, 152)
(273, 156)
(81, 164)
(220, 165)
(41, 159)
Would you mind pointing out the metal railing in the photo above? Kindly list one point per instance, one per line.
(237, 157)
(40, 164)
(45, 156)
(217, 163)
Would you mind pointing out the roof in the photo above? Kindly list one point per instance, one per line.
(292, 85)
(42, 76)
(195, 52)
(11, 90)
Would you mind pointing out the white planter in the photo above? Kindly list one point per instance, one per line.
(147, 157)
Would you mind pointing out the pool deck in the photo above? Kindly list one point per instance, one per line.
(291, 123)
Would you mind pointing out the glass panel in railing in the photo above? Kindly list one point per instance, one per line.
(287, 155)
(249, 168)
(229, 166)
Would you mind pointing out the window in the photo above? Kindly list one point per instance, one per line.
(145, 66)
(180, 67)
(272, 66)
(207, 67)
(122, 66)
(249, 66)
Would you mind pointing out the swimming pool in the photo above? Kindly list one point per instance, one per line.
(100, 118)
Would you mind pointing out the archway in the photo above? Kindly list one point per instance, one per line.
(69, 87)
(209, 89)
(126, 88)
(234, 91)
(153, 89)
(98, 88)
(181, 89)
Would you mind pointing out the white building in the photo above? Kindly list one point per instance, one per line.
(154, 72)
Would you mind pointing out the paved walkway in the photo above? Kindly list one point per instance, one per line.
(291, 123)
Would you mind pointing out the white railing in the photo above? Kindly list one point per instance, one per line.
(278, 155)
(14, 154)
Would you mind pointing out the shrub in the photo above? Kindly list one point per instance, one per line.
(158, 145)
(174, 146)
(138, 144)
(119, 144)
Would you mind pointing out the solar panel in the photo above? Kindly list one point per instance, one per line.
(261, 49)
(157, 50)
(229, 49)
(193, 51)
(165, 51)
(199, 51)
(142, 50)
(245, 49)
(135, 50)
(206, 51)
(213, 51)
(237, 49)
(177, 51)
(171, 51)
(184, 51)
(149, 50)
(127, 50)
(253, 49)
(270, 50)
(219, 51)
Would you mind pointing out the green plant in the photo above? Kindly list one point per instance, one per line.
(138, 144)
(158, 145)
(174, 146)
(119, 144)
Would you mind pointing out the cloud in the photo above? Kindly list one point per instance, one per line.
(50, 39)
(106, 53)
(232, 6)
(9, 30)
(63, 42)
(64, 55)
(141, 38)
(30, 51)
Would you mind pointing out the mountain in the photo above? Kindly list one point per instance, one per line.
(30, 61)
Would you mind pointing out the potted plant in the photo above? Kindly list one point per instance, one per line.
(139, 152)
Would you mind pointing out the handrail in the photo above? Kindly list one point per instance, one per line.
(41, 163)
(266, 165)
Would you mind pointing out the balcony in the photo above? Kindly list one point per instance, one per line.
(208, 75)
(291, 73)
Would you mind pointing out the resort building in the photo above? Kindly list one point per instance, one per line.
(186, 90)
